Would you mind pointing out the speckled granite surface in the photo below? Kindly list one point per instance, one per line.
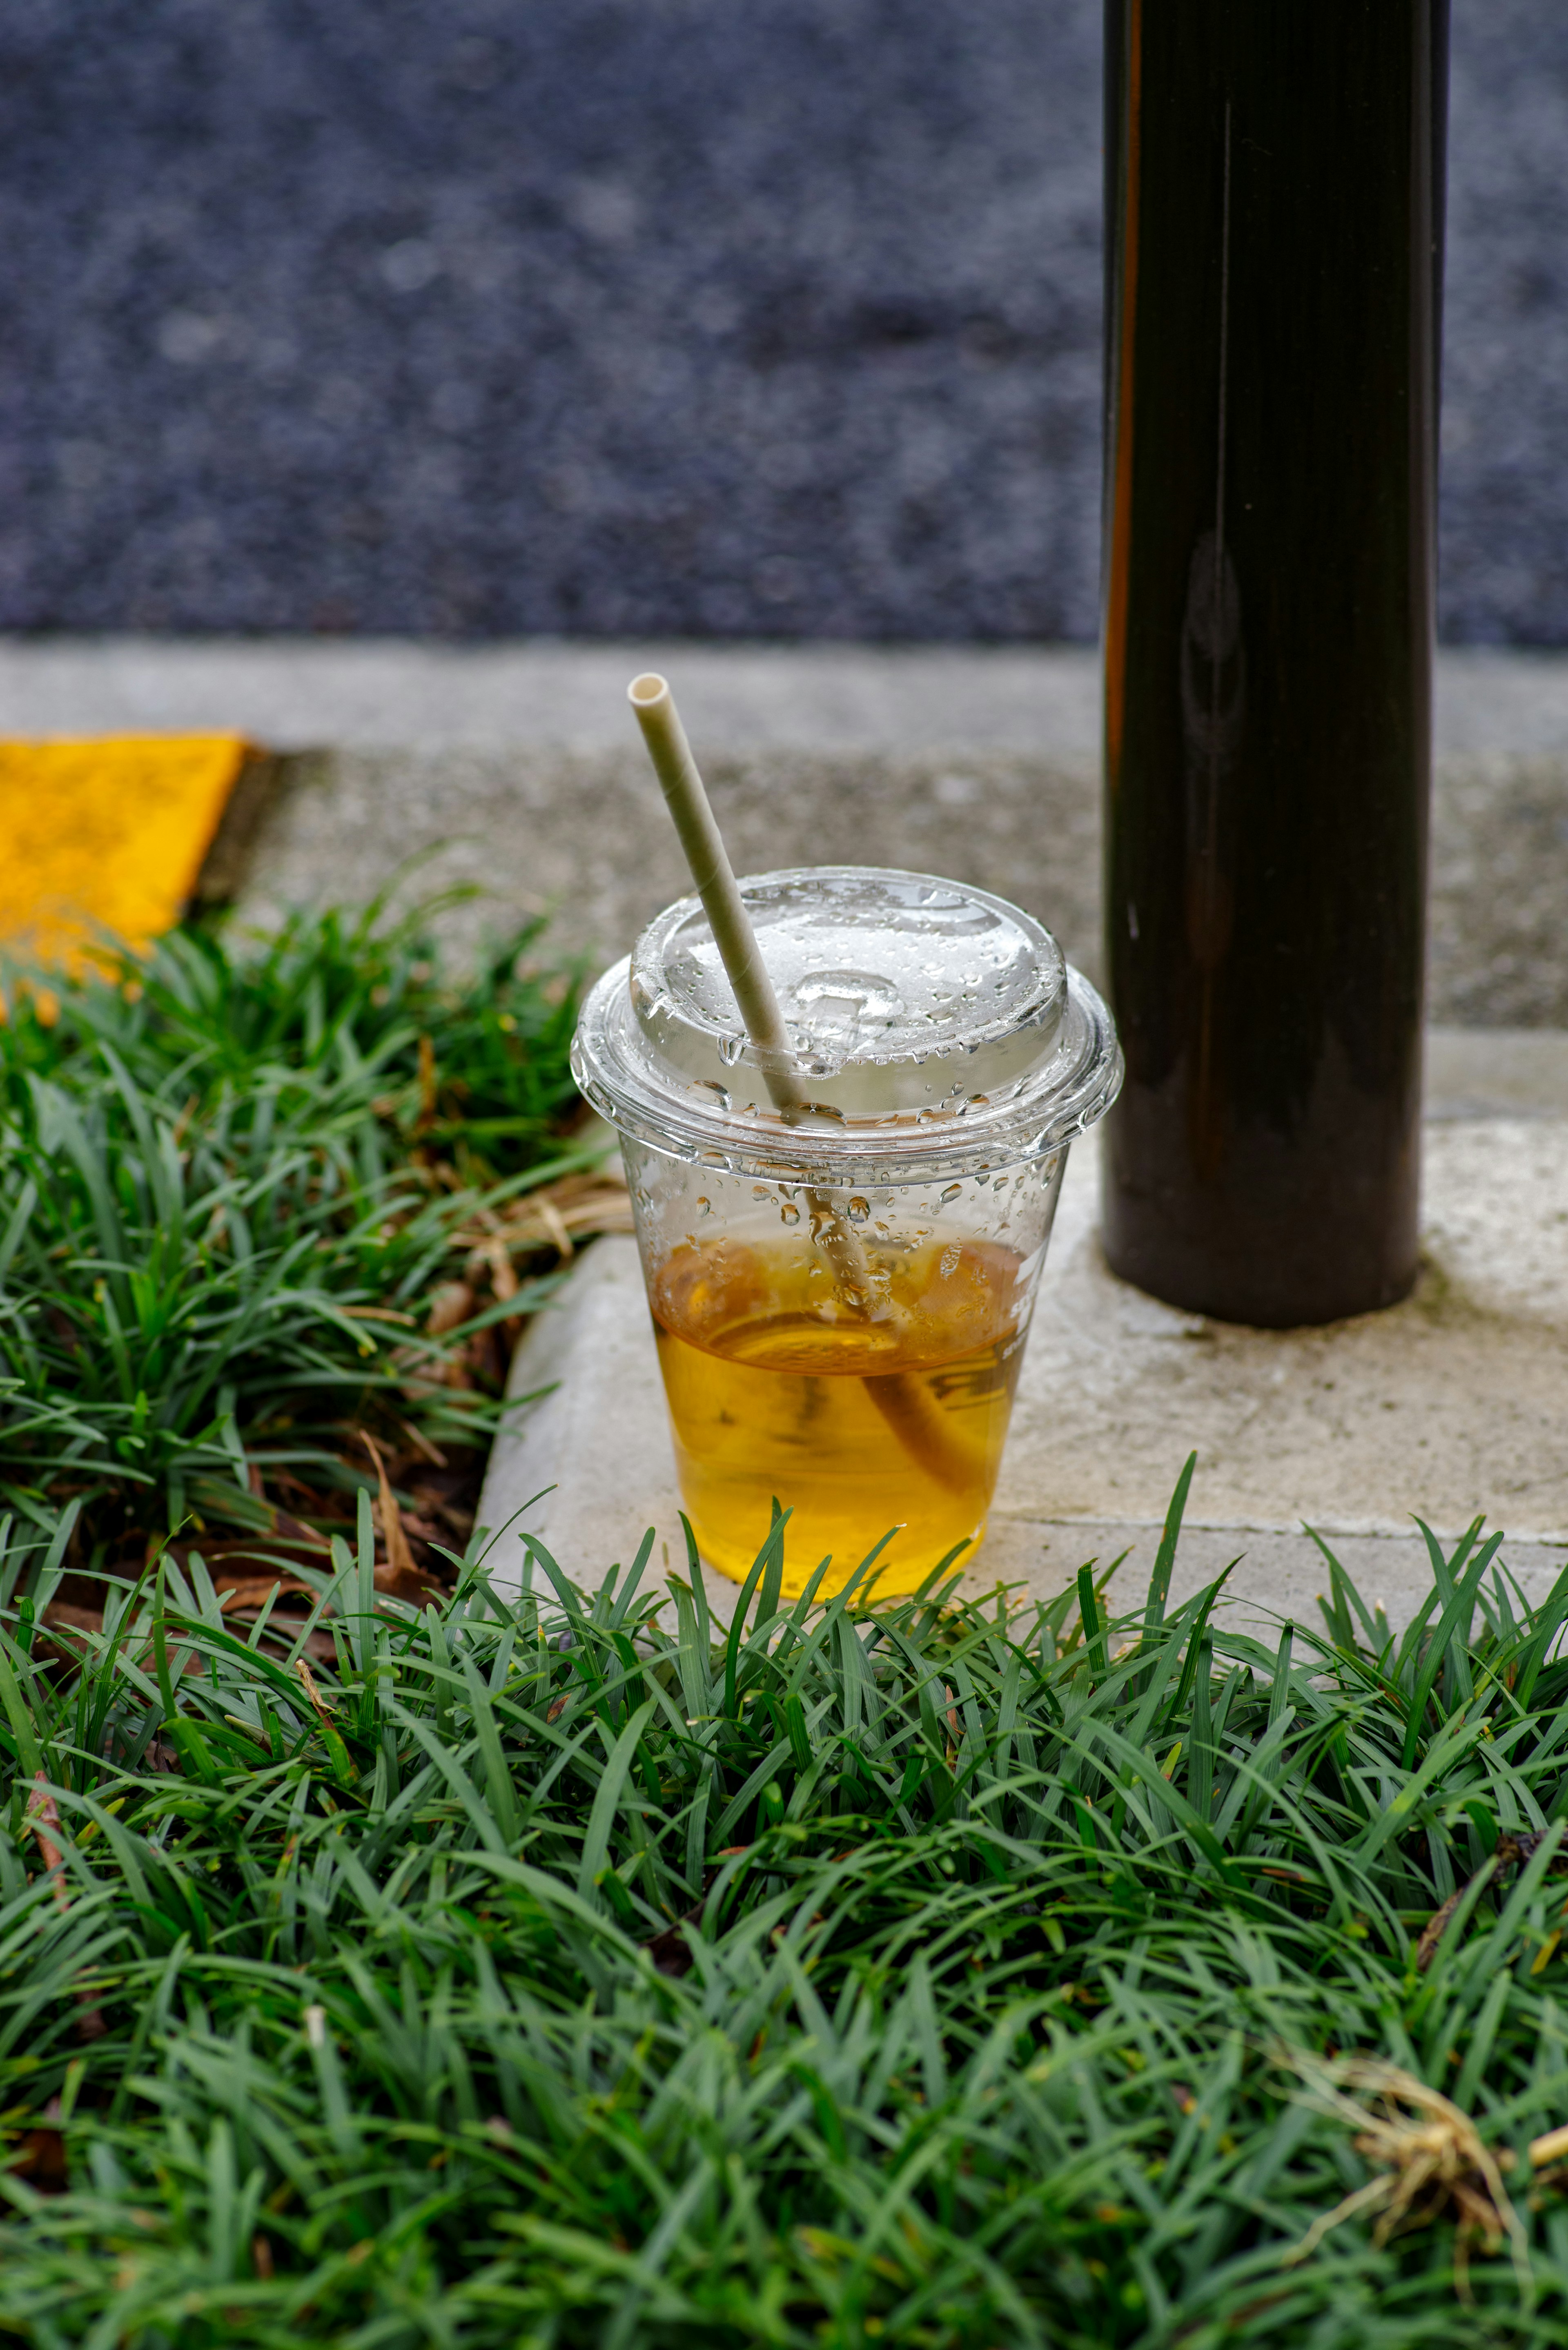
(646, 315)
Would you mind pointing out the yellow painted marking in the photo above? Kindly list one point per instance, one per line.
(105, 836)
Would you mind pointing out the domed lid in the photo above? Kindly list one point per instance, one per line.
(926, 1019)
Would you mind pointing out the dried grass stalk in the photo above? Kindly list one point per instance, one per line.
(1428, 2158)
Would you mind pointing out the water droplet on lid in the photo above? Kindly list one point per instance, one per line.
(730, 1049)
(789, 1213)
(845, 997)
(950, 1194)
(706, 1206)
(857, 1210)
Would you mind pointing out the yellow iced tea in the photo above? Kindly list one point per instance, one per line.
(777, 1386)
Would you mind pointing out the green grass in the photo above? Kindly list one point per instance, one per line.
(914, 1974)
(233, 1172)
(566, 1971)
(335, 1015)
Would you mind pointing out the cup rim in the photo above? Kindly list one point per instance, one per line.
(1071, 1088)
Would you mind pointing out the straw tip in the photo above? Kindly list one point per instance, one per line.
(646, 691)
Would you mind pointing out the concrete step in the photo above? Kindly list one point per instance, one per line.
(583, 836)
(515, 767)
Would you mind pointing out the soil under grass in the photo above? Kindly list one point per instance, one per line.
(386, 1964)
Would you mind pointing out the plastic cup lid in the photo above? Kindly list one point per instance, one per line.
(930, 1023)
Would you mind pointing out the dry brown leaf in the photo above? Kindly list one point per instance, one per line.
(255, 1590)
(453, 1303)
(555, 1216)
(411, 1583)
(399, 1557)
(44, 1818)
(503, 1272)
(64, 1615)
(312, 1693)
(40, 2156)
(1509, 1850)
(554, 1223)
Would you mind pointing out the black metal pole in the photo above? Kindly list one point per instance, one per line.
(1275, 183)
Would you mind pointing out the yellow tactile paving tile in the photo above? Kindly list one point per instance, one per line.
(105, 836)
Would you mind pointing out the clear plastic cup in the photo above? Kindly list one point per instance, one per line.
(841, 1293)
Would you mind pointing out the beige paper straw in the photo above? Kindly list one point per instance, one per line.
(906, 1407)
(687, 800)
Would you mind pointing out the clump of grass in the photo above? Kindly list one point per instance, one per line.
(566, 1969)
(335, 1017)
(236, 1174)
